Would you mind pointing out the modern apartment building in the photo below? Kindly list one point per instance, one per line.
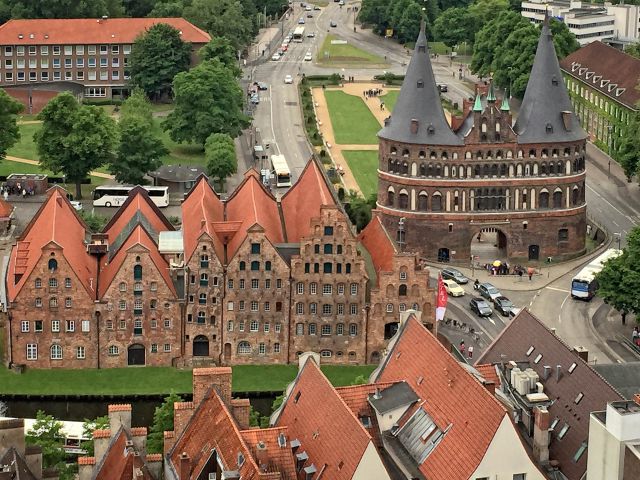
(90, 57)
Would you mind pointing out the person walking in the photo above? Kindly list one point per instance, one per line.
(635, 334)
(462, 347)
(470, 351)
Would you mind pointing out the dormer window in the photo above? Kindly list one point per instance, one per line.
(420, 84)
(431, 130)
(619, 91)
(549, 128)
(422, 49)
(554, 81)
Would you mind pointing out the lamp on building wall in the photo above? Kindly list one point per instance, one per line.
(401, 233)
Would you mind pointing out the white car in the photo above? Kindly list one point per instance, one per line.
(275, 57)
(311, 34)
(453, 288)
(76, 204)
(308, 8)
(288, 79)
(308, 57)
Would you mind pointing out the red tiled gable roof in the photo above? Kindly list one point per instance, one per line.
(138, 236)
(601, 66)
(5, 209)
(72, 31)
(452, 397)
(251, 203)
(323, 422)
(56, 221)
(280, 458)
(120, 463)
(212, 427)
(597, 391)
(200, 210)
(375, 239)
(489, 373)
(303, 201)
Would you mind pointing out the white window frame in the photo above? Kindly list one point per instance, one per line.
(55, 326)
(86, 325)
(32, 351)
(70, 326)
(24, 326)
(80, 352)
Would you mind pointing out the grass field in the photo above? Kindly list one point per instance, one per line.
(352, 121)
(364, 165)
(345, 54)
(159, 380)
(390, 99)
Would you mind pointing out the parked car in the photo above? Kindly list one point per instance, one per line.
(275, 57)
(333, 24)
(308, 57)
(308, 8)
(488, 291)
(514, 311)
(341, 2)
(288, 79)
(503, 305)
(284, 47)
(311, 34)
(453, 288)
(261, 85)
(455, 275)
(301, 21)
(316, 7)
(309, 15)
(255, 99)
(480, 307)
(443, 87)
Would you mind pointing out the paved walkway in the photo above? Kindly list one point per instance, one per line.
(35, 162)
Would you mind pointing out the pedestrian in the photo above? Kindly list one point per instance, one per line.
(470, 351)
(6, 195)
(635, 334)
(462, 347)
(520, 272)
(24, 193)
(530, 273)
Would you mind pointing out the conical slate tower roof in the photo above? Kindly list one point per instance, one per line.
(546, 114)
(419, 101)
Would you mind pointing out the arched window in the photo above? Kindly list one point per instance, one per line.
(390, 198)
(494, 170)
(402, 290)
(390, 165)
(436, 202)
(267, 266)
(438, 170)
(422, 202)
(393, 150)
(403, 200)
(242, 266)
(503, 169)
(430, 170)
(423, 170)
(543, 199)
(137, 272)
(422, 154)
(557, 199)
(53, 265)
(575, 196)
(244, 348)
(486, 170)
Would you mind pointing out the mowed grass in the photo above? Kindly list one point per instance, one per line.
(352, 121)
(390, 99)
(346, 54)
(26, 147)
(364, 165)
(158, 380)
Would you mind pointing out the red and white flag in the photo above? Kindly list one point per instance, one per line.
(441, 301)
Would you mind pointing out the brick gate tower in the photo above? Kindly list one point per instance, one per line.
(439, 187)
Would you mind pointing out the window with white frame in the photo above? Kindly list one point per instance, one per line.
(354, 308)
(67, 282)
(104, 75)
(38, 326)
(33, 50)
(267, 327)
(20, 63)
(20, 50)
(114, 350)
(403, 275)
(241, 305)
(299, 308)
(56, 63)
(389, 307)
(70, 325)
(44, 76)
(241, 326)
(230, 306)
(91, 75)
(313, 329)
(68, 75)
(353, 329)
(300, 288)
(91, 49)
(56, 352)
(167, 347)
(67, 302)
(55, 326)
(38, 302)
(122, 304)
(38, 283)
(53, 302)
(325, 353)
(24, 326)
(115, 62)
(313, 308)
(167, 323)
(262, 349)
(230, 326)
(278, 327)
(8, 64)
(276, 347)
(253, 326)
(115, 75)
(325, 330)
(341, 289)
(137, 304)
(254, 306)
(154, 348)
(103, 50)
(313, 288)
(68, 63)
(255, 283)
(241, 283)
(21, 76)
(244, 348)
(267, 306)
(340, 329)
(299, 329)
(122, 324)
(86, 325)
(8, 51)
(32, 351)
(91, 62)
(33, 76)
(80, 353)
(8, 76)
(327, 289)
(354, 289)
(68, 49)
(327, 309)
(126, 49)
(57, 76)
(340, 309)
(115, 49)
(44, 63)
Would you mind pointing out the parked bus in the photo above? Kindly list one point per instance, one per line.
(281, 171)
(116, 195)
(584, 284)
(298, 34)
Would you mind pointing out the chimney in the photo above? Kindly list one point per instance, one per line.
(546, 372)
(414, 126)
(205, 378)
(185, 466)
(566, 120)
(85, 467)
(240, 408)
(12, 434)
(582, 352)
(169, 441)
(139, 436)
(558, 372)
(262, 457)
(101, 440)
(182, 412)
(541, 434)
(376, 394)
(490, 386)
(119, 416)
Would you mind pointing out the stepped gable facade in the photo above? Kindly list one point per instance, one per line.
(439, 187)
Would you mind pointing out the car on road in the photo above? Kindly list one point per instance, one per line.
(453, 289)
(333, 24)
(308, 8)
(275, 57)
(488, 291)
(311, 34)
(443, 87)
(261, 85)
(455, 275)
(301, 21)
(308, 57)
(480, 307)
(503, 305)
(255, 99)
(341, 3)
(316, 7)
(288, 79)
(514, 311)
(309, 15)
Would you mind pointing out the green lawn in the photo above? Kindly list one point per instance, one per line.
(345, 54)
(352, 121)
(364, 165)
(390, 99)
(25, 147)
(158, 380)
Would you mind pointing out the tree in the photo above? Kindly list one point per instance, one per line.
(633, 50)
(88, 427)
(95, 222)
(222, 18)
(167, 9)
(220, 153)
(483, 11)
(74, 139)
(9, 131)
(47, 434)
(140, 149)
(619, 280)
(64, 8)
(162, 421)
(157, 56)
(628, 153)
(453, 27)
(207, 100)
(359, 209)
(222, 49)
(409, 24)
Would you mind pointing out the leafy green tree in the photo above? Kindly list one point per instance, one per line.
(162, 421)
(63, 8)
(628, 153)
(490, 36)
(88, 427)
(359, 209)
(633, 50)
(222, 49)
(140, 149)
(207, 100)
(139, 8)
(74, 139)
(222, 18)
(220, 153)
(453, 27)
(514, 59)
(482, 11)
(47, 433)
(409, 24)
(619, 280)
(157, 56)
(374, 12)
(167, 9)
(9, 131)
(95, 222)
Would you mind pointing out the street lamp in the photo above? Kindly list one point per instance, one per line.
(618, 237)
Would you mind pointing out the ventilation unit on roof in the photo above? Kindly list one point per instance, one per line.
(20, 36)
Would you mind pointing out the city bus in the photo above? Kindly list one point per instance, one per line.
(281, 171)
(584, 284)
(298, 34)
(116, 195)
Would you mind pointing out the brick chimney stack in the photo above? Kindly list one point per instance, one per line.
(119, 416)
(541, 435)
(205, 378)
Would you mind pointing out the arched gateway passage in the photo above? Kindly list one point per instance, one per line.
(489, 245)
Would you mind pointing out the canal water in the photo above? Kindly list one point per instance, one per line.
(90, 408)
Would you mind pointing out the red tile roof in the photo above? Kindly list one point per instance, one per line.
(303, 201)
(138, 236)
(251, 203)
(86, 460)
(452, 397)
(488, 371)
(120, 463)
(376, 240)
(600, 66)
(322, 421)
(597, 392)
(90, 31)
(5, 209)
(55, 222)
(200, 210)
(279, 458)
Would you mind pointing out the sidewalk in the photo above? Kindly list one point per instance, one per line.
(34, 162)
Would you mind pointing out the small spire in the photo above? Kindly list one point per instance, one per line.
(505, 104)
(491, 95)
(477, 107)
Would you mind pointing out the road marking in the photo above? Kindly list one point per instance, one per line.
(614, 207)
(615, 223)
(534, 298)
(491, 320)
(563, 290)
(561, 306)
(273, 133)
